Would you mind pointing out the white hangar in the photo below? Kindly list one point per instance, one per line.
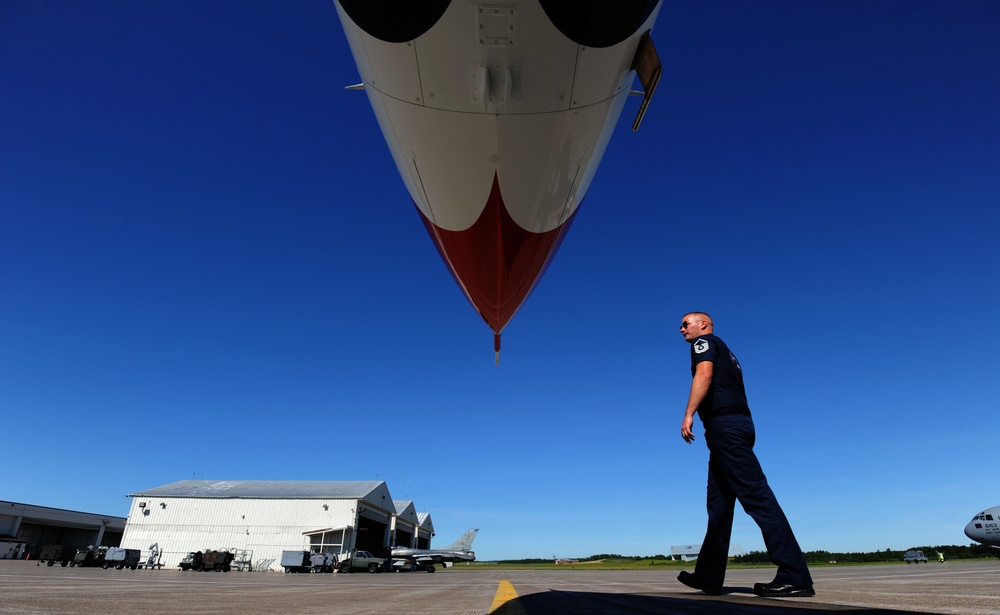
(258, 519)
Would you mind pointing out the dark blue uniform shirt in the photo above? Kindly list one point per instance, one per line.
(726, 395)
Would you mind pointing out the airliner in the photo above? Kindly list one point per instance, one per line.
(985, 527)
(404, 558)
(497, 114)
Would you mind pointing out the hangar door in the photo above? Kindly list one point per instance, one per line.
(371, 535)
(37, 535)
(403, 538)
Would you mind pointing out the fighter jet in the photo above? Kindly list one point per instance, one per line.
(985, 527)
(404, 558)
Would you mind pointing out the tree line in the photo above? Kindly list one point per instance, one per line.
(950, 552)
(972, 551)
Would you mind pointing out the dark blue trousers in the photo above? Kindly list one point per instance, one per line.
(735, 474)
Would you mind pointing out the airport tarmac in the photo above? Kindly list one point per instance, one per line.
(967, 587)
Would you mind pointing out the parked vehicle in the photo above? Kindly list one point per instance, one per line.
(218, 561)
(56, 554)
(914, 556)
(192, 561)
(91, 556)
(121, 558)
(303, 561)
(362, 560)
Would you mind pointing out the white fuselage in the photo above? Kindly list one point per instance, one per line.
(494, 113)
(985, 527)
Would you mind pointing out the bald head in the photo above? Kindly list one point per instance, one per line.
(695, 324)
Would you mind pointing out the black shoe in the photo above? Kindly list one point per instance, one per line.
(775, 589)
(693, 582)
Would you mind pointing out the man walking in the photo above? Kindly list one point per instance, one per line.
(719, 398)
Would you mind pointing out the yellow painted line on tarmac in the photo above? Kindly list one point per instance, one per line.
(506, 602)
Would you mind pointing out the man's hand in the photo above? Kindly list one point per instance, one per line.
(686, 426)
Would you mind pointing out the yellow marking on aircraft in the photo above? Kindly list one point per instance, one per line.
(506, 602)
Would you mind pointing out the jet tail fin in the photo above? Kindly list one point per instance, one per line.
(464, 542)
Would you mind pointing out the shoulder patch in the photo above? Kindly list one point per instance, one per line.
(700, 346)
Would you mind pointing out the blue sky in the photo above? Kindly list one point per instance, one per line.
(205, 246)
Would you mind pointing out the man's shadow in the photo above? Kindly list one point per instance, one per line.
(739, 601)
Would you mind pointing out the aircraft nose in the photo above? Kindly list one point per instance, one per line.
(970, 530)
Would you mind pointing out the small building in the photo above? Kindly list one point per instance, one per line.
(26, 528)
(685, 553)
(258, 519)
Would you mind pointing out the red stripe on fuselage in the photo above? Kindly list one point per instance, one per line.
(495, 261)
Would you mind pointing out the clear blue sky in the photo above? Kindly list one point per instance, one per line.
(210, 268)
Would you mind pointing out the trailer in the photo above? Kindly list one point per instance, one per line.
(303, 561)
(121, 558)
(56, 554)
(218, 561)
(91, 556)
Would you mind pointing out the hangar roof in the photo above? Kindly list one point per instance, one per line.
(424, 521)
(56, 517)
(268, 489)
(406, 511)
(402, 505)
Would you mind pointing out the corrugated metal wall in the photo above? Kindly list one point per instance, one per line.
(265, 526)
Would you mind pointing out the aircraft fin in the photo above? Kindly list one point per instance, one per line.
(464, 542)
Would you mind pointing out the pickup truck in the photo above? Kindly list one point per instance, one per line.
(362, 560)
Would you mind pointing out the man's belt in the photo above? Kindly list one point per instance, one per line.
(742, 411)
